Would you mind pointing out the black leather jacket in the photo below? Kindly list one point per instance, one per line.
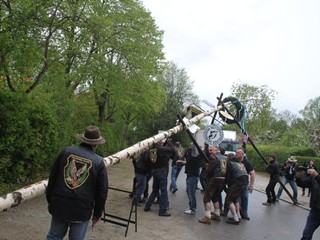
(78, 184)
(314, 184)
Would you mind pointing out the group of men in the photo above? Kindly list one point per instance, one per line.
(78, 184)
(235, 176)
(305, 176)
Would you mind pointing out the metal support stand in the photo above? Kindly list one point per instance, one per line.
(123, 222)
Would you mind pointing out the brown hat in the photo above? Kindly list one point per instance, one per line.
(91, 136)
(292, 159)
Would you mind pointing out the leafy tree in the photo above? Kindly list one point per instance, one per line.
(311, 121)
(179, 90)
(258, 100)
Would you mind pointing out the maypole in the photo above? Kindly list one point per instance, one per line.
(14, 199)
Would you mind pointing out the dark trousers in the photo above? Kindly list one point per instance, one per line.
(159, 185)
(271, 194)
(312, 224)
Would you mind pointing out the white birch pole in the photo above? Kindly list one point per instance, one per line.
(14, 199)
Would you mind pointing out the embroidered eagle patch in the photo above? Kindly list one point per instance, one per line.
(76, 171)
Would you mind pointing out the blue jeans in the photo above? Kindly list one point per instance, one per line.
(160, 183)
(244, 200)
(59, 228)
(293, 185)
(175, 171)
(141, 184)
(191, 191)
(313, 222)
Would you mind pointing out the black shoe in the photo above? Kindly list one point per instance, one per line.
(164, 214)
(146, 209)
(232, 221)
(245, 216)
(174, 190)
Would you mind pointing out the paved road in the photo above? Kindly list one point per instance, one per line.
(279, 222)
(284, 221)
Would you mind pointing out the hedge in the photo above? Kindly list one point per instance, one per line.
(302, 154)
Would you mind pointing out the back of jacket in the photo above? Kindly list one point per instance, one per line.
(78, 184)
(236, 173)
(314, 184)
(213, 168)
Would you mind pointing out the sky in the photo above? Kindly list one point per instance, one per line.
(222, 42)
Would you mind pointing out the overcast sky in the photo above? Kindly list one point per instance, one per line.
(219, 42)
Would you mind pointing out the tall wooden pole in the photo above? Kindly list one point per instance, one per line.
(27, 193)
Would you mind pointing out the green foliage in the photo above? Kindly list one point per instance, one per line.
(257, 100)
(311, 121)
(29, 137)
(282, 153)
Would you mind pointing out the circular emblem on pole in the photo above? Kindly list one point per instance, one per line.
(213, 135)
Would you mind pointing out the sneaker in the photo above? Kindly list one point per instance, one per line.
(205, 220)
(164, 214)
(189, 212)
(232, 221)
(215, 217)
(266, 204)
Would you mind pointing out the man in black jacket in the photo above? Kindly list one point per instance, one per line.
(313, 182)
(158, 162)
(273, 170)
(78, 186)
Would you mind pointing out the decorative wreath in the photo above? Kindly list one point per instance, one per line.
(225, 116)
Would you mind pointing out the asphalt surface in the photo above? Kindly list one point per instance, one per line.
(282, 221)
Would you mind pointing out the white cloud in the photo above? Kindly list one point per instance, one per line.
(273, 42)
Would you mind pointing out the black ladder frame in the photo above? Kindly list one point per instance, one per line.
(120, 221)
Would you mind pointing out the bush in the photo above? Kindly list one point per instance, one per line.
(283, 153)
(29, 137)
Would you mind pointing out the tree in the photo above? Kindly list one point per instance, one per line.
(258, 101)
(179, 91)
(311, 121)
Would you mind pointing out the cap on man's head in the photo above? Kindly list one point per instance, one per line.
(91, 136)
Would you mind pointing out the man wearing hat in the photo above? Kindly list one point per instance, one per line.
(290, 171)
(273, 170)
(77, 188)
